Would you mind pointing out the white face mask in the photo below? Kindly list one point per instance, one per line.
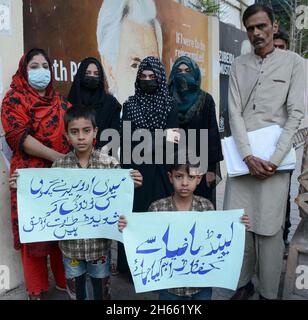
(39, 79)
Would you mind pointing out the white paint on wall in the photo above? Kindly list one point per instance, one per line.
(5, 16)
(1, 82)
(230, 10)
(4, 148)
(11, 50)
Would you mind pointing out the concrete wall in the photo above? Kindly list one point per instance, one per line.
(11, 50)
(305, 121)
(214, 66)
(231, 11)
(306, 87)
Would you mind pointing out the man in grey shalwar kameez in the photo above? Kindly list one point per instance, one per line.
(266, 88)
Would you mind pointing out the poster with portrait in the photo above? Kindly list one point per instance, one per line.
(233, 42)
(120, 33)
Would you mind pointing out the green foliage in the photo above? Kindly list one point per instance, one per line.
(286, 17)
(208, 7)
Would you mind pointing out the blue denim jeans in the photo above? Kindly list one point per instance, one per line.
(99, 272)
(96, 269)
(204, 294)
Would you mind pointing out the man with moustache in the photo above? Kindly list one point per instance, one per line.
(266, 88)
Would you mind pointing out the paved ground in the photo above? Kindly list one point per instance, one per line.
(122, 288)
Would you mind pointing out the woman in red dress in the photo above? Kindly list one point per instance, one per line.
(32, 117)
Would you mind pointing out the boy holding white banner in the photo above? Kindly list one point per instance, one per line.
(85, 256)
(185, 180)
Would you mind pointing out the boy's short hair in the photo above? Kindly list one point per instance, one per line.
(181, 160)
(77, 112)
(258, 7)
(282, 35)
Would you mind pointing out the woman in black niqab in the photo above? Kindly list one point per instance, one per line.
(89, 89)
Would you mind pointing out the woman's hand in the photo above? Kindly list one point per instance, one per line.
(35, 148)
(245, 219)
(173, 135)
(137, 177)
(210, 178)
(122, 223)
(13, 180)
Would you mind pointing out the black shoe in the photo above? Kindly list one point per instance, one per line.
(244, 292)
(262, 298)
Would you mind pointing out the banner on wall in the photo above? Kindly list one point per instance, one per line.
(119, 33)
(233, 42)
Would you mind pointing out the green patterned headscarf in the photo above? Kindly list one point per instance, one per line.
(185, 88)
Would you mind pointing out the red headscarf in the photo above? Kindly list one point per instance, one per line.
(24, 110)
(20, 81)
